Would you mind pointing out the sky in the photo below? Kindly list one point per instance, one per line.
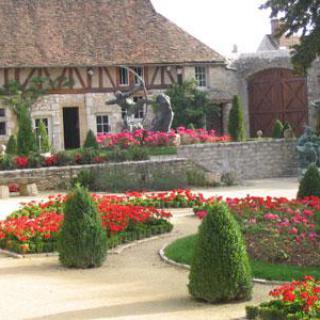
(220, 23)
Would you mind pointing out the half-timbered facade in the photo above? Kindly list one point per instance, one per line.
(88, 42)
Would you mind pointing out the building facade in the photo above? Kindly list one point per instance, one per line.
(87, 43)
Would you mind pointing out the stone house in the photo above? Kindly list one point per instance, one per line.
(88, 42)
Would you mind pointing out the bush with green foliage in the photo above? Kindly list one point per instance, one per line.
(310, 183)
(43, 142)
(12, 145)
(91, 141)
(220, 269)
(236, 126)
(26, 139)
(278, 129)
(82, 241)
(190, 105)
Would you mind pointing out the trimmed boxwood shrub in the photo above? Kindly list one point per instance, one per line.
(82, 242)
(91, 141)
(220, 270)
(310, 183)
(278, 130)
(12, 145)
(236, 125)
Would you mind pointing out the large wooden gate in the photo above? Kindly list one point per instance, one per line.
(277, 94)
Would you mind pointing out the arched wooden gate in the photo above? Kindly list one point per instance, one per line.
(277, 94)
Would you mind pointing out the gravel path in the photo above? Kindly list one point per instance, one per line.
(135, 284)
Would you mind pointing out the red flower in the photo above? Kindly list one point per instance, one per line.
(21, 162)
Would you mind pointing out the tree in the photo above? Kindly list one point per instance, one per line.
(26, 142)
(236, 125)
(220, 269)
(91, 141)
(310, 183)
(82, 242)
(190, 105)
(299, 16)
(43, 141)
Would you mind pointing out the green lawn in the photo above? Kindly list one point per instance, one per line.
(181, 251)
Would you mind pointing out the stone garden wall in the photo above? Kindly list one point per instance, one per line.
(134, 172)
(248, 160)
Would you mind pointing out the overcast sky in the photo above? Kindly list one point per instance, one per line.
(219, 23)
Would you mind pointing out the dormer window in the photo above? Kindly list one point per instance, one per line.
(123, 76)
(201, 76)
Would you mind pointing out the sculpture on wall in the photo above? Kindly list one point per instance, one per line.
(164, 114)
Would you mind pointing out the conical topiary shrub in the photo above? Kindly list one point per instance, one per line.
(278, 130)
(236, 125)
(220, 270)
(91, 141)
(82, 242)
(43, 138)
(310, 183)
(11, 147)
(26, 142)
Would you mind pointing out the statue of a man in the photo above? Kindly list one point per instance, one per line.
(164, 114)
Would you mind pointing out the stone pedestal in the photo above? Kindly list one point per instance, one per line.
(4, 192)
(28, 190)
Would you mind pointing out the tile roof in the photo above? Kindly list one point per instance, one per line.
(93, 32)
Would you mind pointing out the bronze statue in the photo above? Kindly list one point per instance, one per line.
(164, 114)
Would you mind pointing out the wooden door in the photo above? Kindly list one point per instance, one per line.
(277, 94)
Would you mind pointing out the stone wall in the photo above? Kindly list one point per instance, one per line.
(249, 160)
(52, 178)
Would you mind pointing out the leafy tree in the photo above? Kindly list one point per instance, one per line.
(220, 269)
(278, 130)
(91, 141)
(190, 105)
(310, 183)
(12, 145)
(82, 242)
(26, 142)
(43, 141)
(299, 16)
(236, 125)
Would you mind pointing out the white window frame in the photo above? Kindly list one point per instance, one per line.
(3, 119)
(201, 76)
(49, 128)
(103, 124)
(123, 82)
(140, 71)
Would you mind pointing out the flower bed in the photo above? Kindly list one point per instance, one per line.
(35, 227)
(295, 300)
(157, 139)
(278, 230)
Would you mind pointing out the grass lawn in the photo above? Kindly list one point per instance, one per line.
(182, 250)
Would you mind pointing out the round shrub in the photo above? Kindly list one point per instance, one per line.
(91, 141)
(310, 183)
(220, 269)
(82, 242)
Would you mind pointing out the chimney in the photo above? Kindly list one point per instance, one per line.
(275, 25)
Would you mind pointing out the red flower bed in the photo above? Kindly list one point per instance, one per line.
(295, 300)
(158, 139)
(38, 222)
(278, 229)
(21, 162)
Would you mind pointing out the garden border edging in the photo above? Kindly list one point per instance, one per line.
(187, 267)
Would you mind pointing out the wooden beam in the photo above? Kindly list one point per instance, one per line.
(100, 72)
(32, 72)
(89, 78)
(154, 77)
(77, 72)
(162, 76)
(170, 76)
(6, 76)
(17, 74)
(106, 70)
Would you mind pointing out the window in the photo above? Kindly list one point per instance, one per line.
(139, 71)
(201, 76)
(139, 112)
(103, 124)
(37, 125)
(123, 77)
(3, 129)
